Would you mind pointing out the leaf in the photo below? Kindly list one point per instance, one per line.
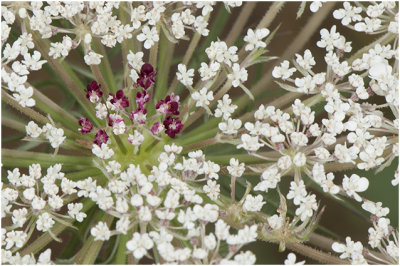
(300, 68)
(90, 250)
(227, 7)
(286, 86)
(261, 59)
(82, 71)
(271, 35)
(301, 9)
(247, 91)
(168, 34)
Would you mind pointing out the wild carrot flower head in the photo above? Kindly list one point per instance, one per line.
(160, 134)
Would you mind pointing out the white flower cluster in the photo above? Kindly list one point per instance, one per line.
(54, 135)
(225, 109)
(361, 120)
(381, 236)
(378, 17)
(224, 59)
(161, 199)
(97, 20)
(44, 258)
(35, 201)
(135, 62)
(14, 73)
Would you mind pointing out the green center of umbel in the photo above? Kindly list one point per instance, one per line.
(146, 155)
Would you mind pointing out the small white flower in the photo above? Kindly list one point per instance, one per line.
(19, 216)
(100, 232)
(230, 126)
(103, 152)
(348, 13)
(297, 192)
(254, 38)
(200, 25)
(349, 250)
(61, 49)
(299, 159)
(203, 97)
(275, 222)
(74, 211)
(101, 108)
(283, 71)
(209, 71)
(33, 130)
(307, 206)
(148, 36)
(238, 76)
(315, 5)
(354, 184)
(113, 167)
(23, 96)
(139, 244)
(135, 60)
(212, 189)
(375, 208)
(119, 127)
(245, 258)
(225, 108)
(307, 61)
(144, 214)
(185, 76)
(93, 58)
(45, 257)
(38, 203)
(253, 204)
(16, 238)
(250, 143)
(291, 260)
(235, 169)
(328, 38)
(44, 222)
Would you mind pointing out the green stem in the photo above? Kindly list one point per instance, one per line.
(45, 158)
(24, 110)
(315, 254)
(43, 240)
(65, 72)
(105, 67)
(14, 124)
(90, 250)
(240, 22)
(100, 79)
(163, 67)
(154, 49)
(121, 256)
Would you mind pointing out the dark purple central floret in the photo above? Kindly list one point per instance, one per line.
(139, 115)
(86, 125)
(93, 92)
(101, 137)
(146, 76)
(142, 98)
(120, 101)
(170, 105)
(172, 126)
